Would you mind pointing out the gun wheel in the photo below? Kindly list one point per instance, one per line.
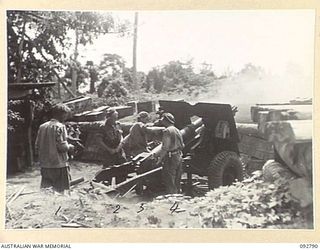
(224, 169)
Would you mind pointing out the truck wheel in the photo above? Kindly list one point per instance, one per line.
(224, 169)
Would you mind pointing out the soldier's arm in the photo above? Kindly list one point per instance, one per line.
(125, 140)
(165, 146)
(61, 139)
(121, 143)
(119, 147)
(153, 131)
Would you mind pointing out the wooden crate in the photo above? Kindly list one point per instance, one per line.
(80, 104)
(146, 106)
(133, 105)
(97, 114)
(124, 111)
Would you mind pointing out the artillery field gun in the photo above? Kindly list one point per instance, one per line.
(211, 149)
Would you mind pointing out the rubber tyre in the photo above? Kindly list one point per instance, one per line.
(224, 169)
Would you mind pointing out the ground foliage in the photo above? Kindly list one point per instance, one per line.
(252, 204)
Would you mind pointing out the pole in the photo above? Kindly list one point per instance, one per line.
(134, 57)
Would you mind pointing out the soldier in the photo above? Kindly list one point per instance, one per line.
(160, 112)
(136, 141)
(171, 154)
(52, 148)
(109, 138)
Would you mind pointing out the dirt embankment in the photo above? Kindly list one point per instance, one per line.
(250, 204)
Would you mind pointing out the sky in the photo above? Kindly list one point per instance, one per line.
(273, 39)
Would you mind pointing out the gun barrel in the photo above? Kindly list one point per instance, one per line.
(190, 131)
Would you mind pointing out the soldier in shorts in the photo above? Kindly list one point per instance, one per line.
(52, 149)
(171, 155)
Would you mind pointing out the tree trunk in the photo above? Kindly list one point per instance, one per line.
(92, 89)
(92, 80)
(293, 145)
(20, 52)
(74, 86)
(282, 112)
(29, 142)
(59, 90)
(60, 81)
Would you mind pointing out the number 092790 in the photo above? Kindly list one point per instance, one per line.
(306, 246)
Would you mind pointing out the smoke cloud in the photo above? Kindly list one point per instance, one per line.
(253, 86)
